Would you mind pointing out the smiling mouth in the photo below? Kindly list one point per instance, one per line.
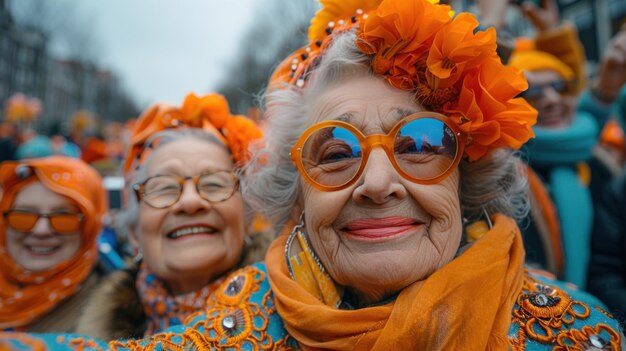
(42, 250)
(187, 231)
(380, 229)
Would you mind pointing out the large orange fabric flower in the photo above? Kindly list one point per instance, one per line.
(240, 131)
(398, 27)
(403, 70)
(488, 112)
(212, 108)
(456, 48)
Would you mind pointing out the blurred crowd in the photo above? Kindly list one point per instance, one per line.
(127, 274)
(98, 143)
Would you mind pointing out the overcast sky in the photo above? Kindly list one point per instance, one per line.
(163, 49)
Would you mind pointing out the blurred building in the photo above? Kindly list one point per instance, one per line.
(73, 86)
(22, 58)
(63, 86)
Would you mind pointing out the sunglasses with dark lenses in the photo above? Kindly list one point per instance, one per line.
(535, 91)
(424, 148)
(61, 223)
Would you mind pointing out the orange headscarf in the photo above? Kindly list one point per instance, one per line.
(209, 113)
(24, 295)
(476, 291)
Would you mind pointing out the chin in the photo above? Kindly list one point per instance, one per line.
(388, 274)
(212, 264)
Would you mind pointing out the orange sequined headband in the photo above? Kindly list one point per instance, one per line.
(416, 45)
(209, 113)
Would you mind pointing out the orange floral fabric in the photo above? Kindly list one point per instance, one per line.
(25, 295)
(417, 46)
(439, 308)
(209, 112)
(333, 10)
(453, 70)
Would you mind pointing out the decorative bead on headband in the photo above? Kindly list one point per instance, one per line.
(209, 113)
(23, 171)
(418, 46)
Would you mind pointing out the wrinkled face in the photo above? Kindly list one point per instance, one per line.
(42, 248)
(555, 106)
(193, 241)
(383, 232)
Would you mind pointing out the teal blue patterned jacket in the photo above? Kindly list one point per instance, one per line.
(548, 315)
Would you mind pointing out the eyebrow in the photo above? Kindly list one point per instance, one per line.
(345, 117)
(402, 112)
(397, 112)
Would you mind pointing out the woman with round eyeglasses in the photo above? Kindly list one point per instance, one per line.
(389, 165)
(51, 212)
(185, 216)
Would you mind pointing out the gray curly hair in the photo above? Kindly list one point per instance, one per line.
(495, 184)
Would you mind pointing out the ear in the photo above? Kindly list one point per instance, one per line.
(298, 208)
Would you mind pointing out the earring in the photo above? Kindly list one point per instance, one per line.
(487, 218)
(290, 239)
(305, 267)
(138, 256)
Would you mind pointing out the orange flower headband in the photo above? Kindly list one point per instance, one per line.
(209, 112)
(417, 46)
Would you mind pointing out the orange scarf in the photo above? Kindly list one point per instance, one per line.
(163, 309)
(24, 295)
(465, 305)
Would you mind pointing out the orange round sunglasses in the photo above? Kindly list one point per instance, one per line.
(424, 147)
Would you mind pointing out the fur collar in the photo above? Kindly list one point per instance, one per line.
(114, 310)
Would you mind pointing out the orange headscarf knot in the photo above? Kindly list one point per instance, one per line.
(418, 46)
(209, 113)
(26, 295)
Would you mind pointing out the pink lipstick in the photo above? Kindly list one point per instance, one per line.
(373, 229)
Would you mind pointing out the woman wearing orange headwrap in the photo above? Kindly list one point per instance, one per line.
(185, 216)
(51, 211)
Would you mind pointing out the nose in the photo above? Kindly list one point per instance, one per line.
(379, 182)
(550, 95)
(190, 201)
(42, 228)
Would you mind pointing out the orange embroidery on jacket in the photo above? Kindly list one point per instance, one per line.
(546, 314)
(606, 313)
(24, 339)
(588, 338)
(80, 344)
(542, 309)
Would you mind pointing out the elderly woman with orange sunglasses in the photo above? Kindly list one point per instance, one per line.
(389, 165)
(51, 212)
